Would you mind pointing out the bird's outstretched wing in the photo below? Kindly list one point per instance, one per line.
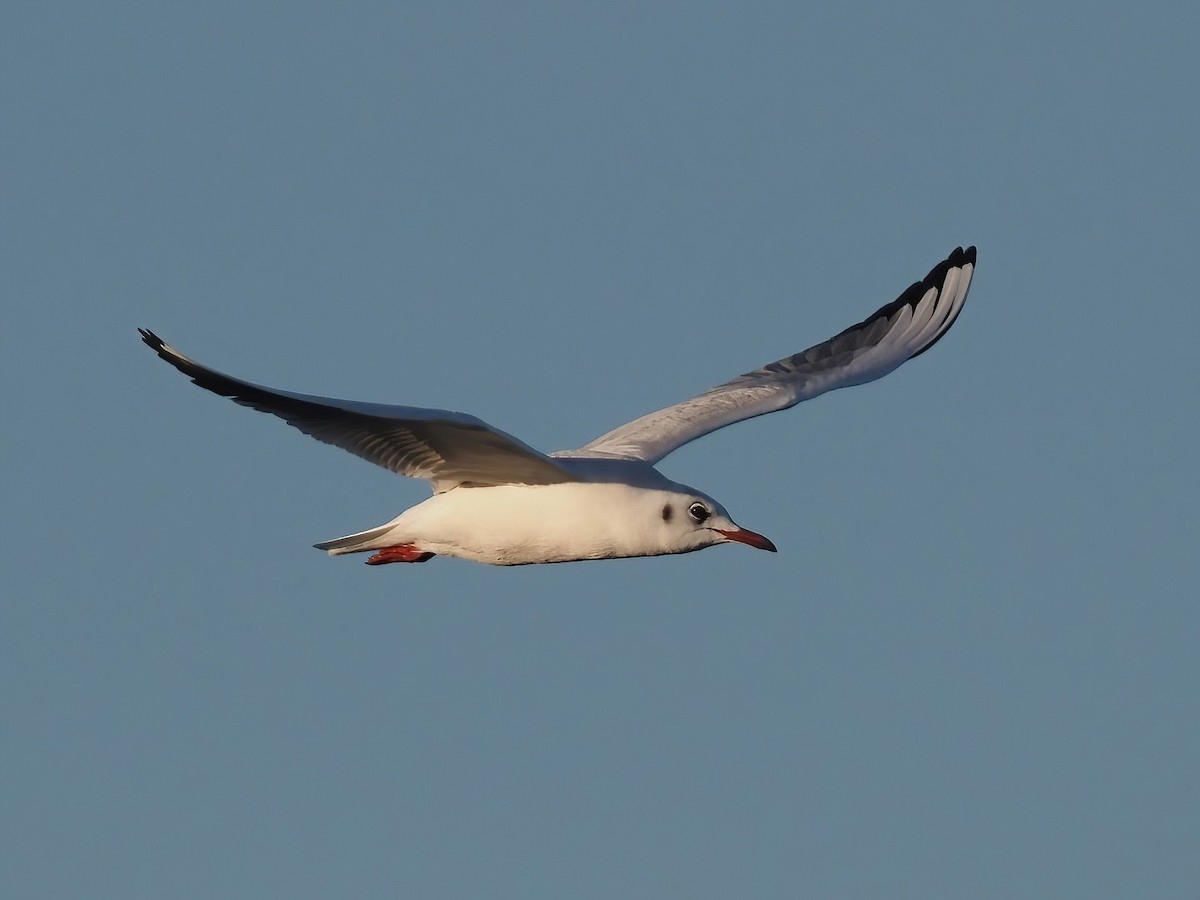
(448, 448)
(894, 334)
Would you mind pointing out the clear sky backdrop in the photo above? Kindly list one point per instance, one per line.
(970, 672)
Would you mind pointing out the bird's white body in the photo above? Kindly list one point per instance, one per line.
(499, 501)
(511, 525)
(618, 511)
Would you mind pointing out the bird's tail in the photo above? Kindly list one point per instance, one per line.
(357, 543)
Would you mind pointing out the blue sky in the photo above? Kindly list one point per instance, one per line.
(971, 670)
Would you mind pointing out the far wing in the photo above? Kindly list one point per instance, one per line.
(894, 334)
(446, 447)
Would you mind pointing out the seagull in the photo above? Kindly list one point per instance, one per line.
(497, 500)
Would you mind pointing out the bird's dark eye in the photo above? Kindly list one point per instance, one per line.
(698, 512)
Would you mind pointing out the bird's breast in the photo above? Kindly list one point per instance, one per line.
(521, 524)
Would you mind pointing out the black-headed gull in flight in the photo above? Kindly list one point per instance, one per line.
(497, 500)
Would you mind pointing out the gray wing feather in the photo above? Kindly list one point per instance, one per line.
(894, 334)
(446, 447)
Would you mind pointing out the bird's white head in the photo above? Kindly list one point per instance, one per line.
(689, 520)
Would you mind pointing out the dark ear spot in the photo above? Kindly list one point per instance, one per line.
(667, 513)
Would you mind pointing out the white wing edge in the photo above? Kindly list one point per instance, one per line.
(892, 335)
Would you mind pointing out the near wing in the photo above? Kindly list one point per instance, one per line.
(905, 328)
(448, 448)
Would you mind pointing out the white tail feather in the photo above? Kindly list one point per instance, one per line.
(357, 543)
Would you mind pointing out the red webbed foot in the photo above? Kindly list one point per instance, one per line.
(406, 553)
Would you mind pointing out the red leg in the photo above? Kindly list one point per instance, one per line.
(401, 553)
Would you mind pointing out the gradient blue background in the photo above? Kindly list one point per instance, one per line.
(972, 669)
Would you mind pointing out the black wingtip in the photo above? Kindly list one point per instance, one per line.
(169, 354)
(956, 260)
(206, 378)
(962, 257)
(914, 292)
(152, 340)
(958, 257)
